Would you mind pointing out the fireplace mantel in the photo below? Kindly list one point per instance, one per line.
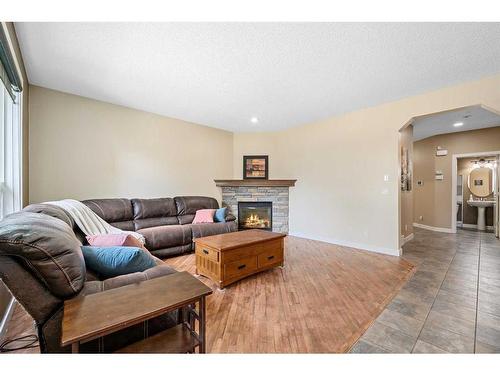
(254, 182)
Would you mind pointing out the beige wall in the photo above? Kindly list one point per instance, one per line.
(82, 148)
(406, 141)
(340, 163)
(433, 199)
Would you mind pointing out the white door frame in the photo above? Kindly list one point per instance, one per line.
(454, 163)
(497, 211)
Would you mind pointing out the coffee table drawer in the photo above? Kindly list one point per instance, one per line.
(269, 257)
(240, 267)
(207, 252)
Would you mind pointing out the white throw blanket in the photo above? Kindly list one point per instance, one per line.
(88, 221)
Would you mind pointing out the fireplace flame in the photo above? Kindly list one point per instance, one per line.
(254, 221)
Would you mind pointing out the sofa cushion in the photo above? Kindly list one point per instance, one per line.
(48, 247)
(117, 260)
(220, 215)
(185, 219)
(111, 210)
(189, 205)
(114, 239)
(124, 225)
(203, 230)
(166, 236)
(157, 207)
(204, 216)
(154, 212)
(155, 222)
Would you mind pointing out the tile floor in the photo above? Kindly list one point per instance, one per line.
(450, 305)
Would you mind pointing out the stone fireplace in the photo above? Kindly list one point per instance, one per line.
(271, 195)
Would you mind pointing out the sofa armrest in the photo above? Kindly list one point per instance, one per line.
(91, 287)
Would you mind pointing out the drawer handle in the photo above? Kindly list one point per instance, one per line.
(205, 251)
(242, 266)
(270, 257)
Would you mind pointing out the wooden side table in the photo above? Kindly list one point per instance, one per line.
(89, 317)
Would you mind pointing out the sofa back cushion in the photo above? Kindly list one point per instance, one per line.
(49, 249)
(154, 212)
(51, 210)
(187, 207)
(117, 212)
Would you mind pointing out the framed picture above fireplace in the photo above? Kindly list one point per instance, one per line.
(256, 166)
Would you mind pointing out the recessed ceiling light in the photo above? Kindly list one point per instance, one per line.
(457, 124)
(254, 120)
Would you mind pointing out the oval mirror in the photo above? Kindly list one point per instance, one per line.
(480, 182)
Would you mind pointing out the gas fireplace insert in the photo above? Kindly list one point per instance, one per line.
(255, 215)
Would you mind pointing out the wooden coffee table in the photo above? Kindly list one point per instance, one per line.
(97, 315)
(229, 257)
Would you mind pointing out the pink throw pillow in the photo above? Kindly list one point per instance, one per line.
(204, 216)
(115, 239)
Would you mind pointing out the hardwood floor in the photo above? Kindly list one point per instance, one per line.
(322, 301)
(19, 325)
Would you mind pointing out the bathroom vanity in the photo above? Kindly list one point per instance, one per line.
(480, 183)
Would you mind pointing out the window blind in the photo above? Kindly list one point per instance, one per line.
(8, 71)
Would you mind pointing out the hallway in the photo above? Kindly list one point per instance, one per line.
(450, 305)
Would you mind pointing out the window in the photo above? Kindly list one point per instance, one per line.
(10, 157)
(10, 133)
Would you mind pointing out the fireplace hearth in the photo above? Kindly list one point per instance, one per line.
(255, 215)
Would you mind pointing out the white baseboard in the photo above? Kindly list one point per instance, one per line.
(6, 317)
(435, 229)
(355, 245)
(407, 238)
(474, 226)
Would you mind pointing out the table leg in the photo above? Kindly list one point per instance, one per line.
(75, 347)
(202, 325)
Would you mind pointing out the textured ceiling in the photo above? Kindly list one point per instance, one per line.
(285, 74)
(441, 123)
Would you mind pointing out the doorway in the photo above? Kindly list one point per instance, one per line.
(476, 193)
(429, 147)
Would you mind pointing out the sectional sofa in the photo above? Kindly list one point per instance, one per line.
(164, 222)
(42, 264)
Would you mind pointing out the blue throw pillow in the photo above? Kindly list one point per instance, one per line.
(117, 260)
(220, 215)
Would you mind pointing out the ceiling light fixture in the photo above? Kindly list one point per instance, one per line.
(254, 120)
(457, 124)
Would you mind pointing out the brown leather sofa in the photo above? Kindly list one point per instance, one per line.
(42, 265)
(166, 223)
